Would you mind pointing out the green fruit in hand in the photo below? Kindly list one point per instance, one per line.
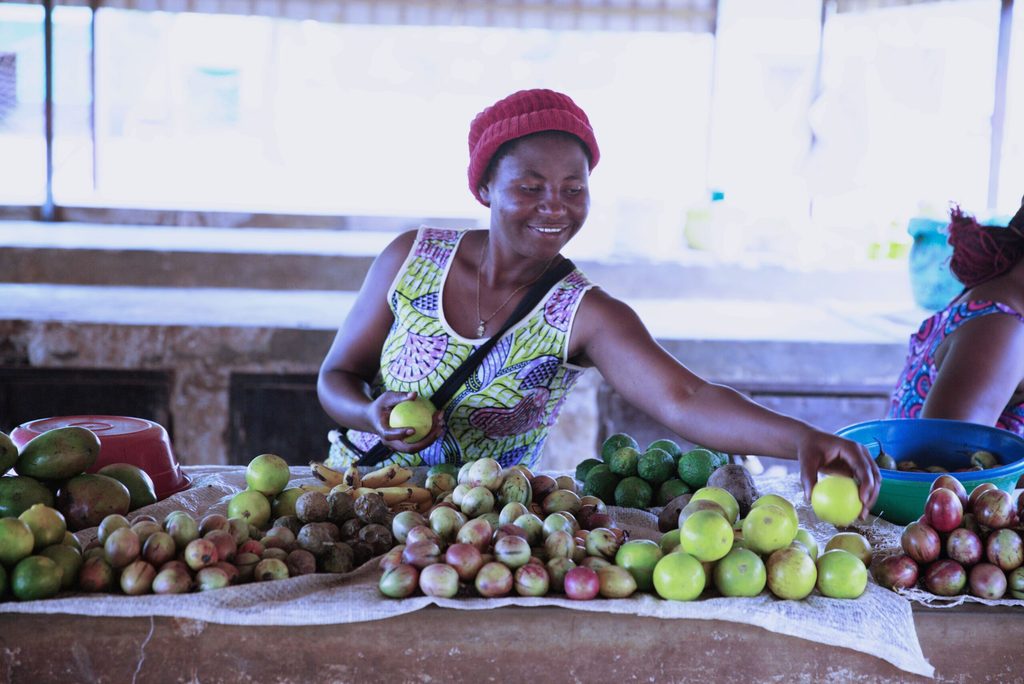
(616, 442)
(417, 414)
(141, 490)
(836, 499)
(268, 474)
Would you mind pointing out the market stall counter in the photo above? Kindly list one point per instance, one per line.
(338, 627)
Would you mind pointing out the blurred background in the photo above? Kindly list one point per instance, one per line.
(806, 131)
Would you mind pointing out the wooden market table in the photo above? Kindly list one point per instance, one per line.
(967, 643)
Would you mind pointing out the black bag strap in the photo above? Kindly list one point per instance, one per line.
(460, 375)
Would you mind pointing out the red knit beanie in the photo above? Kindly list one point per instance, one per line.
(518, 115)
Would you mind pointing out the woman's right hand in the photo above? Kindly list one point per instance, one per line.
(379, 415)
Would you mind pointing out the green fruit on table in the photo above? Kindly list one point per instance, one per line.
(696, 466)
(59, 453)
(623, 461)
(268, 474)
(16, 541)
(601, 482)
(8, 453)
(633, 492)
(47, 525)
(35, 577)
(17, 494)
(656, 466)
(141, 490)
(841, 575)
(667, 445)
(616, 442)
(68, 559)
(584, 467)
(670, 489)
(85, 500)
(250, 505)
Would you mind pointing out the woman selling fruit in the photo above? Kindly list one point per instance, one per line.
(434, 295)
(966, 362)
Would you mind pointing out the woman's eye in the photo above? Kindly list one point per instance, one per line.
(530, 188)
(574, 191)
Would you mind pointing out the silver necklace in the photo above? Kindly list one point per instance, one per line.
(481, 325)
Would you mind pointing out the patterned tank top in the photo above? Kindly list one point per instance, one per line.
(511, 400)
(920, 370)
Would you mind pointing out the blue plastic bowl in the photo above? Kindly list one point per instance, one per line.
(931, 441)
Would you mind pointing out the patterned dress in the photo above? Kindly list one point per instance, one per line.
(920, 370)
(512, 399)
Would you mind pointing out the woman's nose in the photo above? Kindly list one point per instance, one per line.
(551, 203)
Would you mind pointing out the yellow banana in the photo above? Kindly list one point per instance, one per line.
(352, 478)
(359, 491)
(395, 495)
(329, 475)
(405, 506)
(340, 488)
(391, 476)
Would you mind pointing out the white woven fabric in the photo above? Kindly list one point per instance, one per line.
(879, 623)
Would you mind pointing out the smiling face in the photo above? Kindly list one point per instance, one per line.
(538, 193)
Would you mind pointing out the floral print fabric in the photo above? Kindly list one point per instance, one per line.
(512, 399)
(920, 370)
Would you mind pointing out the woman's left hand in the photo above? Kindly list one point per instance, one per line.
(820, 451)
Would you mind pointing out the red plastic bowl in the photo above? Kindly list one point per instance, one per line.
(137, 441)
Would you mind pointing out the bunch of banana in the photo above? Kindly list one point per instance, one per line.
(389, 482)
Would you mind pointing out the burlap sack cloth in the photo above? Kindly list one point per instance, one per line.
(879, 623)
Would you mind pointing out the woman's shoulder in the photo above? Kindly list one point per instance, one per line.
(970, 308)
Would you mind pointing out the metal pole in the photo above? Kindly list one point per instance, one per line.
(47, 210)
(999, 104)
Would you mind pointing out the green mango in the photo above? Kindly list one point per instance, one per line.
(85, 500)
(59, 453)
(139, 483)
(18, 494)
(8, 453)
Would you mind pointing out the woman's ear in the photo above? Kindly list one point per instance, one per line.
(485, 194)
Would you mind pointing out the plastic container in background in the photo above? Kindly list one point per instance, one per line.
(123, 439)
(932, 441)
(932, 283)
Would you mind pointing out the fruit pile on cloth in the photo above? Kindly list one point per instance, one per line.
(878, 623)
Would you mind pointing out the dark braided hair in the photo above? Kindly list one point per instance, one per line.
(983, 252)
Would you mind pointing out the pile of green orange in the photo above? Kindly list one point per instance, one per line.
(626, 476)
